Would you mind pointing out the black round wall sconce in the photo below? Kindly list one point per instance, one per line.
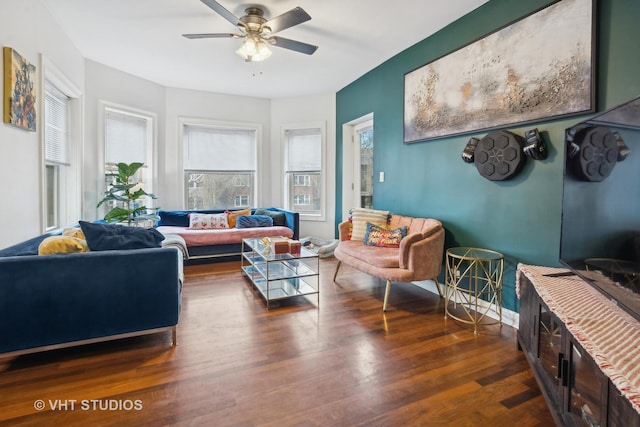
(593, 151)
(498, 156)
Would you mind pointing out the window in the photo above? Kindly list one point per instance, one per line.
(61, 113)
(364, 136)
(301, 200)
(219, 166)
(128, 138)
(56, 157)
(241, 201)
(302, 180)
(304, 192)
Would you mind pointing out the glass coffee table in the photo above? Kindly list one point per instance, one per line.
(279, 276)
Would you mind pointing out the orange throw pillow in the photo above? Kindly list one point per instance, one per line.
(232, 216)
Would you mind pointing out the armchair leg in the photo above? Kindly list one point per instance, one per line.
(174, 337)
(435, 279)
(386, 295)
(336, 273)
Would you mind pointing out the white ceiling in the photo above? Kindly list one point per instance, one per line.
(144, 38)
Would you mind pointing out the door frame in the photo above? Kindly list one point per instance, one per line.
(351, 164)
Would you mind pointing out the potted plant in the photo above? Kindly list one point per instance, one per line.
(125, 191)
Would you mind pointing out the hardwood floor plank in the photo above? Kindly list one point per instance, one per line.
(336, 360)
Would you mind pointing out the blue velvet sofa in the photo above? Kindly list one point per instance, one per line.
(177, 221)
(55, 301)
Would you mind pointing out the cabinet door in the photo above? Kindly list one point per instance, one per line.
(586, 392)
(620, 412)
(527, 330)
(550, 353)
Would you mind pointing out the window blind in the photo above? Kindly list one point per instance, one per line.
(125, 137)
(304, 150)
(219, 149)
(56, 123)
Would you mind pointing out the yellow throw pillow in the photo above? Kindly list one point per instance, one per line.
(74, 232)
(233, 216)
(62, 245)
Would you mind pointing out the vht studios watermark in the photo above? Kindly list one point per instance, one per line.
(88, 405)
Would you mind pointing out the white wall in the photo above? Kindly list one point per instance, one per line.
(106, 84)
(27, 27)
(190, 104)
(316, 108)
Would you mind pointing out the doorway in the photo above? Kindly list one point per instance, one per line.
(363, 154)
(357, 164)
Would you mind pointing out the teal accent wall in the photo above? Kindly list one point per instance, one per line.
(520, 217)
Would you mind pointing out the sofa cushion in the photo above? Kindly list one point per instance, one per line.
(377, 256)
(383, 237)
(174, 218)
(279, 218)
(251, 221)
(26, 248)
(62, 245)
(360, 217)
(201, 221)
(104, 237)
(74, 232)
(232, 216)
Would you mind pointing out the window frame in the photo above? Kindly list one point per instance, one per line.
(151, 166)
(321, 126)
(68, 187)
(184, 122)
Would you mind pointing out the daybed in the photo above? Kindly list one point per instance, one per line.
(222, 243)
(417, 256)
(60, 300)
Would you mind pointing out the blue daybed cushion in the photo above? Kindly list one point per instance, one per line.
(279, 218)
(174, 218)
(105, 237)
(251, 221)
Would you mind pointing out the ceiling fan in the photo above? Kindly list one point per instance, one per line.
(258, 31)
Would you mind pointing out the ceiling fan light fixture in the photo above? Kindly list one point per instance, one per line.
(254, 49)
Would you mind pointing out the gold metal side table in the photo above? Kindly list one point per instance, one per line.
(474, 282)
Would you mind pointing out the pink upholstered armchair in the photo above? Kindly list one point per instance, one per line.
(419, 256)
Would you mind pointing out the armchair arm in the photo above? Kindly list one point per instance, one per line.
(422, 255)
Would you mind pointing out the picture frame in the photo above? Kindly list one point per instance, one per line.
(19, 99)
(539, 67)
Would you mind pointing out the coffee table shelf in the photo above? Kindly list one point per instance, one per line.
(280, 276)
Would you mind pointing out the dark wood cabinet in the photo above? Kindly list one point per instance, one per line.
(577, 392)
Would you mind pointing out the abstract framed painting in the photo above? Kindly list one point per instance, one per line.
(19, 91)
(539, 67)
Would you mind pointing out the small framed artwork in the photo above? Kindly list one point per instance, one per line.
(19, 91)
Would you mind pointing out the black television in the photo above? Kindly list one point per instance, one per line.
(600, 227)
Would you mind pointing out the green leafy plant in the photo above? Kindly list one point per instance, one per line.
(126, 192)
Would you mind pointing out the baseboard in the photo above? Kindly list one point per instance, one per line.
(509, 317)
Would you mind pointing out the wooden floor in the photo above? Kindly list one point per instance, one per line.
(342, 362)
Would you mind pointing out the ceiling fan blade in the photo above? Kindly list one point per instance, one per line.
(287, 20)
(220, 10)
(211, 36)
(293, 45)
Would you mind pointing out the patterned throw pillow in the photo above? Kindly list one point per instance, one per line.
(199, 221)
(232, 216)
(360, 217)
(379, 236)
